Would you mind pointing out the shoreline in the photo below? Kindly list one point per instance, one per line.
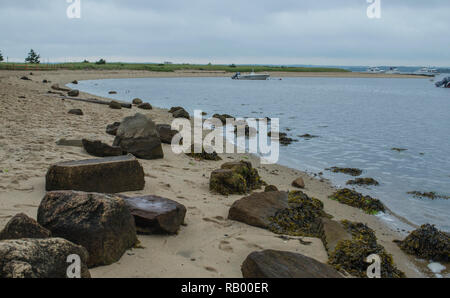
(30, 130)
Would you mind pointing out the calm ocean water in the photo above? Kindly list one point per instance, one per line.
(358, 121)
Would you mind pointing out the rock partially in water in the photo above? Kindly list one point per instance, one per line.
(363, 182)
(156, 215)
(282, 264)
(348, 171)
(40, 258)
(429, 243)
(101, 223)
(21, 226)
(399, 149)
(429, 195)
(355, 199)
(308, 136)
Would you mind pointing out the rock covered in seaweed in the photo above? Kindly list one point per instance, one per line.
(350, 255)
(427, 242)
(363, 182)
(348, 171)
(235, 178)
(303, 217)
(206, 153)
(355, 199)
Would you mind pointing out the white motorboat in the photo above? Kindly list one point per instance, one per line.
(251, 76)
(426, 71)
(375, 70)
(393, 70)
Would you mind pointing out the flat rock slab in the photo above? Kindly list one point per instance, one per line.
(333, 233)
(256, 209)
(282, 264)
(105, 175)
(156, 215)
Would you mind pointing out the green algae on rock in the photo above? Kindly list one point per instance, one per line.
(427, 242)
(235, 178)
(355, 199)
(350, 255)
(348, 171)
(303, 218)
(363, 182)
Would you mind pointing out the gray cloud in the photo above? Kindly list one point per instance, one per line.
(233, 31)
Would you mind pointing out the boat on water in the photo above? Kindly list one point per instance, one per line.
(375, 70)
(426, 71)
(445, 83)
(393, 70)
(251, 76)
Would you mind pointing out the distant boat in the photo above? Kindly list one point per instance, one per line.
(393, 70)
(252, 76)
(425, 71)
(375, 70)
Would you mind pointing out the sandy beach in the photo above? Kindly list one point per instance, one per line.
(209, 245)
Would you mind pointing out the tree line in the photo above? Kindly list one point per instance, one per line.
(35, 58)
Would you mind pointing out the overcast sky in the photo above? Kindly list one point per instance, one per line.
(321, 32)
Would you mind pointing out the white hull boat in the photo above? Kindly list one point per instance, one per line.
(252, 76)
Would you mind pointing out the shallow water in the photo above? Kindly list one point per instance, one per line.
(358, 121)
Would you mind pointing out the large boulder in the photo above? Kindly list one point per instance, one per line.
(246, 170)
(166, 133)
(101, 223)
(138, 135)
(99, 149)
(283, 264)
(105, 175)
(40, 258)
(21, 226)
(257, 209)
(156, 215)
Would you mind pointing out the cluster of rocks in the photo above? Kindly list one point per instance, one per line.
(80, 215)
(363, 182)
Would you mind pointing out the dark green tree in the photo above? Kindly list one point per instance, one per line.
(101, 61)
(33, 57)
(1, 56)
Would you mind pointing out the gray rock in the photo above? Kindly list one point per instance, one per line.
(111, 129)
(156, 215)
(166, 133)
(256, 209)
(115, 105)
(138, 135)
(283, 264)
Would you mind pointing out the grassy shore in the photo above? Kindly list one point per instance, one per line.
(164, 67)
